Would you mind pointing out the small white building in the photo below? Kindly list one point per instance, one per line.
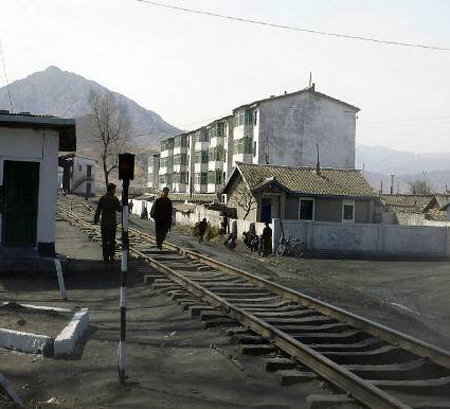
(77, 174)
(29, 147)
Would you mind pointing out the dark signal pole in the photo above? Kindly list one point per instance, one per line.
(126, 173)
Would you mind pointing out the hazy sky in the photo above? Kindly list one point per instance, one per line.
(191, 68)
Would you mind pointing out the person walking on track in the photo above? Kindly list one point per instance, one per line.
(201, 228)
(161, 213)
(107, 207)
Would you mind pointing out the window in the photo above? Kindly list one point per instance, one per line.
(201, 135)
(306, 209)
(217, 153)
(243, 116)
(201, 178)
(215, 177)
(201, 157)
(89, 170)
(167, 144)
(220, 129)
(239, 118)
(348, 211)
(180, 159)
(255, 118)
(248, 117)
(243, 145)
(80, 168)
(254, 148)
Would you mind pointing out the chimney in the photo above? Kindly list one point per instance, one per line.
(318, 160)
(285, 92)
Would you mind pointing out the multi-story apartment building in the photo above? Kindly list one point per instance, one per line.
(289, 129)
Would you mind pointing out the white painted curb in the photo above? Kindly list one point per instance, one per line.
(66, 341)
(25, 342)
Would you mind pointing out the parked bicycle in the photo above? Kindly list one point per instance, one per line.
(288, 246)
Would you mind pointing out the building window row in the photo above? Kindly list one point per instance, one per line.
(215, 177)
(201, 178)
(217, 153)
(167, 162)
(181, 159)
(201, 156)
(167, 144)
(216, 130)
(201, 135)
(243, 145)
(165, 180)
(243, 117)
(181, 141)
(181, 177)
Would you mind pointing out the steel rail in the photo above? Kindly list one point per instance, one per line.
(359, 389)
(392, 336)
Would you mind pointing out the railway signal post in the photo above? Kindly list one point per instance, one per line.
(126, 173)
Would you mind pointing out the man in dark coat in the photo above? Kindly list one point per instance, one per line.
(161, 213)
(108, 206)
(267, 240)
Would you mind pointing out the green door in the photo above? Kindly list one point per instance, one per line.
(20, 203)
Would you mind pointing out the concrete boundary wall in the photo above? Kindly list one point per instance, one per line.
(191, 217)
(366, 239)
(239, 226)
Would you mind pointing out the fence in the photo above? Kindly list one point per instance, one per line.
(340, 239)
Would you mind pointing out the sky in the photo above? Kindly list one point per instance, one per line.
(191, 68)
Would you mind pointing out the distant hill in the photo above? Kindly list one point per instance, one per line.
(387, 161)
(64, 94)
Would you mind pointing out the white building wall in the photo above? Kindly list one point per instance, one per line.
(291, 126)
(80, 174)
(23, 144)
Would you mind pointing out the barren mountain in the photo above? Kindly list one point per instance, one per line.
(64, 94)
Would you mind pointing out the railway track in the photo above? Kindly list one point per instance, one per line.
(375, 365)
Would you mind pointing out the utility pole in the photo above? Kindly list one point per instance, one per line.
(392, 184)
(126, 173)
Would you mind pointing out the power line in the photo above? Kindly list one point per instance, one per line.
(293, 28)
(6, 77)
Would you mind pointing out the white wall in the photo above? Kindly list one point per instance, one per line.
(290, 127)
(365, 239)
(35, 146)
(78, 174)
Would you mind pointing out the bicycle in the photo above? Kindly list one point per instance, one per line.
(288, 246)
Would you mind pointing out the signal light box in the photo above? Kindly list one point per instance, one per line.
(126, 166)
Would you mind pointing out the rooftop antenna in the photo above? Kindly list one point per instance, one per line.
(318, 159)
(310, 79)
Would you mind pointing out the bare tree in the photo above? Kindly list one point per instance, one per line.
(420, 187)
(112, 126)
(244, 199)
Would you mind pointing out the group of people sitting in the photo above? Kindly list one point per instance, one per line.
(259, 244)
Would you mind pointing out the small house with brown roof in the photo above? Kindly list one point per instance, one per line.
(263, 192)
